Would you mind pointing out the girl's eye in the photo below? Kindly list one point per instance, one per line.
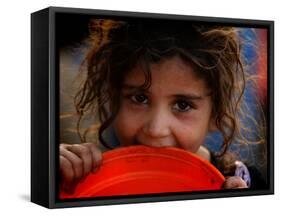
(182, 106)
(139, 98)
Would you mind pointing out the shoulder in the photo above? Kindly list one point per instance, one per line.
(228, 165)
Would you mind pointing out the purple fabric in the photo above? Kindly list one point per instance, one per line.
(243, 172)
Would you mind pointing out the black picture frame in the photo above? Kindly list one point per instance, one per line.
(45, 109)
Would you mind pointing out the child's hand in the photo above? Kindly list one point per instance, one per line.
(234, 182)
(76, 162)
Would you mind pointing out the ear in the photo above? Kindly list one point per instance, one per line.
(212, 125)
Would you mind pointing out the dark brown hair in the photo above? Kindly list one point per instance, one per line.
(118, 46)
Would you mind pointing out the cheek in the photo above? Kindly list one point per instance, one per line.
(126, 125)
(190, 135)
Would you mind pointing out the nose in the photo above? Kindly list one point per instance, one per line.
(157, 124)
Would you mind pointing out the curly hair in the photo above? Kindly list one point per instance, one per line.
(118, 46)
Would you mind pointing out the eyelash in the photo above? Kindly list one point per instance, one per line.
(187, 103)
(175, 107)
(135, 100)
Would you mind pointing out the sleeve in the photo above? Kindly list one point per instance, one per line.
(243, 172)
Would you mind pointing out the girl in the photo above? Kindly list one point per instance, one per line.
(160, 83)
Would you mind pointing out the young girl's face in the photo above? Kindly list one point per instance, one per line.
(174, 111)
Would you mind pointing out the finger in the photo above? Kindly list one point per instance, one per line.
(234, 182)
(96, 156)
(84, 153)
(76, 162)
(231, 182)
(67, 174)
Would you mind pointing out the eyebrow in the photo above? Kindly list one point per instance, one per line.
(130, 86)
(188, 96)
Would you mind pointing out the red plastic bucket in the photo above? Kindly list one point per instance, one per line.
(138, 170)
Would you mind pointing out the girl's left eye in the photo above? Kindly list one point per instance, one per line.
(182, 106)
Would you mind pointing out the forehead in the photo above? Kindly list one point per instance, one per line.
(172, 75)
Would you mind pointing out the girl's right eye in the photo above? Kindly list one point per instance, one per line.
(139, 98)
